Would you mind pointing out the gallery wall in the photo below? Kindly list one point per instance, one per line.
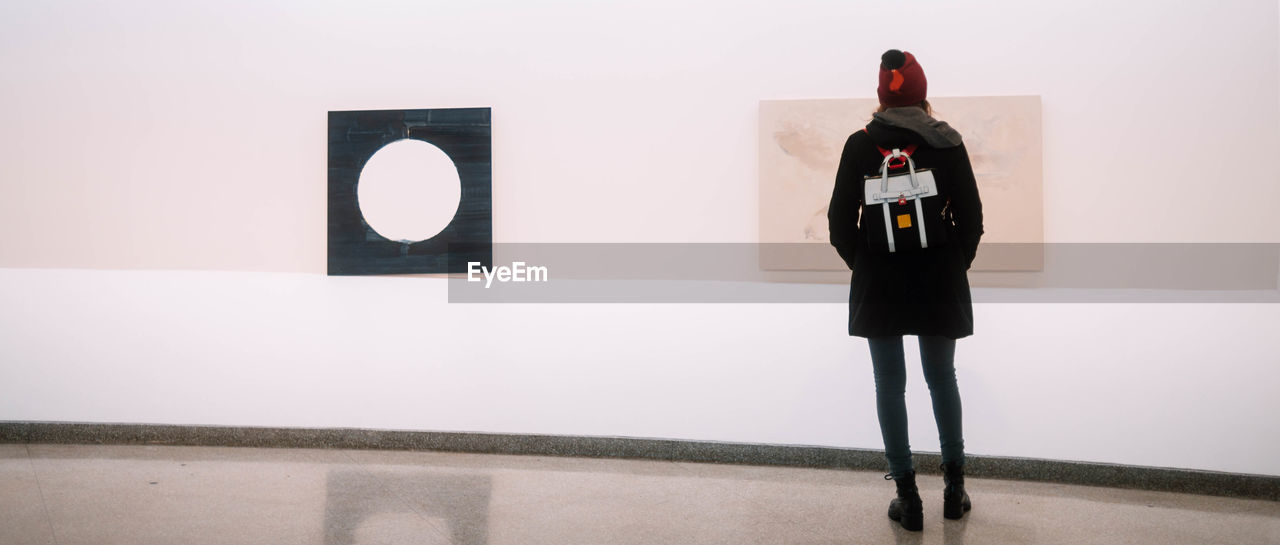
(162, 235)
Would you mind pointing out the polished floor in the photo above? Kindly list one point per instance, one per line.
(70, 494)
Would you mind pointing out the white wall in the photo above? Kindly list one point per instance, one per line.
(130, 294)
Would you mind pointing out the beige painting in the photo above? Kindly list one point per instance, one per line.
(800, 144)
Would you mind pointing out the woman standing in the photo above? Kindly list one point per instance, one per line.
(912, 291)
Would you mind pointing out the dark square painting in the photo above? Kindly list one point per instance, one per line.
(464, 135)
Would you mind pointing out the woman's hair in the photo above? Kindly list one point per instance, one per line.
(923, 105)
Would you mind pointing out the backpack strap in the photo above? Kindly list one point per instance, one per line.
(907, 150)
(900, 161)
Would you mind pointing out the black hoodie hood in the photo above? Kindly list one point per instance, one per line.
(909, 124)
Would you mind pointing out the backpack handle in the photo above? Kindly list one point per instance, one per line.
(884, 169)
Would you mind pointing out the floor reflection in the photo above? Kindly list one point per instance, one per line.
(902, 536)
(953, 531)
(383, 506)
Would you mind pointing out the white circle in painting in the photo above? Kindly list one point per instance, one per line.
(409, 190)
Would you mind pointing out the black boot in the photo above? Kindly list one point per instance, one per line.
(907, 508)
(955, 501)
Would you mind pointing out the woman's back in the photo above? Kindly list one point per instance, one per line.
(916, 292)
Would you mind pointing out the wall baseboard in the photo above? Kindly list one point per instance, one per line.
(996, 467)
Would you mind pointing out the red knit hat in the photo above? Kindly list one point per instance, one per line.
(902, 80)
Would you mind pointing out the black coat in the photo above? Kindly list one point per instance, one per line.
(920, 292)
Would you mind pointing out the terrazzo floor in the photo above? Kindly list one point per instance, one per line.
(76, 494)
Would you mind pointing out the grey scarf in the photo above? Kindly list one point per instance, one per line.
(936, 133)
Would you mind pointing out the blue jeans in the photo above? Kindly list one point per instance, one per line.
(937, 354)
